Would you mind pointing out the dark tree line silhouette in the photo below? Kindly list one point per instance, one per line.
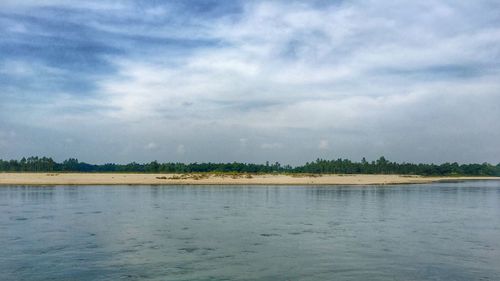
(320, 166)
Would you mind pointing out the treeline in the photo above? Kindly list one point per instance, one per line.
(320, 166)
(383, 166)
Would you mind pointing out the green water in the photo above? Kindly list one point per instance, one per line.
(446, 231)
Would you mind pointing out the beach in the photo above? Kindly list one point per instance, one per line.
(217, 179)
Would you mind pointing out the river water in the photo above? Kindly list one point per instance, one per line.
(444, 231)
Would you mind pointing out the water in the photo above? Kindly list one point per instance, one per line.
(447, 231)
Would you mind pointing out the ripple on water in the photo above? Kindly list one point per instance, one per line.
(91, 246)
(18, 218)
(189, 249)
(258, 235)
(269, 234)
(46, 217)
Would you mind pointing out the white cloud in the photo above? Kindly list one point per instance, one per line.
(151, 146)
(324, 145)
(181, 149)
(27, 68)
(369, 76)
(243, 142)
(274, 145)
(327, 67)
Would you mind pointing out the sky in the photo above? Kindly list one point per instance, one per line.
(250, 81)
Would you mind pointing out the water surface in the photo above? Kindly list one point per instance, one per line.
(446, 231)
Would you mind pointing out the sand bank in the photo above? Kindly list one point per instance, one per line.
(216, 179)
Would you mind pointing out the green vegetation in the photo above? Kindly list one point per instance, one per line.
(320, 166)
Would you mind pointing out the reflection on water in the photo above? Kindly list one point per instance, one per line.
(447, 231)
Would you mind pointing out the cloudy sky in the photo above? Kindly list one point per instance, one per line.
(288, 81)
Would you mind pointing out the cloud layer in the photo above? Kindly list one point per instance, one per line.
(250, 81)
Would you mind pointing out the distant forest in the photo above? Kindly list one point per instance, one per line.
(320, 166)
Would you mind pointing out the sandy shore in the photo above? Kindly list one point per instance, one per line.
(216, 179)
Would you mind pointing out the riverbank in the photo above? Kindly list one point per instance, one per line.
(216, 179)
